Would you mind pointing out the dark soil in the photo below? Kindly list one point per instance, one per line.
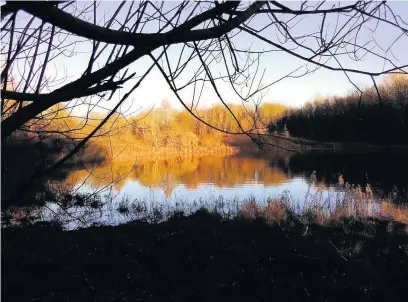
(204, 258)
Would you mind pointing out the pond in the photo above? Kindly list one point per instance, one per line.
(189, 182)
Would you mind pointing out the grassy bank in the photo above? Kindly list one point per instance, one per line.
(300, 144)
(130, 150)
(203, 257)
(363, 148)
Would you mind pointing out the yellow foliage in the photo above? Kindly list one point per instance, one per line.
(179, 130)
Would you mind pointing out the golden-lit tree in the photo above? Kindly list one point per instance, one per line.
(395, 91)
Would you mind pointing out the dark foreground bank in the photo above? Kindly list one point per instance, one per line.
(204, 258)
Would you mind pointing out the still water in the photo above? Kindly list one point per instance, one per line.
(188, 182)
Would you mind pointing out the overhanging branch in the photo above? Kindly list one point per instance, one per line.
(181, 34)
(59, 96)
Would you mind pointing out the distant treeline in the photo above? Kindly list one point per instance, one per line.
(351, 119)
(172, 128)
(162, 129)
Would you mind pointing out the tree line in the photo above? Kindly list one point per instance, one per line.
(376, 115)
(166, 127)
(161, 127)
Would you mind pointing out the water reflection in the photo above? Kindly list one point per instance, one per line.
(160, 184)
(384, 174)
(191, 172)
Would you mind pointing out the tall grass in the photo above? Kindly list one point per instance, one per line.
(320, 206)
(350, 202)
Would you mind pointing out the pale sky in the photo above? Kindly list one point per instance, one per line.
(292, 92)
